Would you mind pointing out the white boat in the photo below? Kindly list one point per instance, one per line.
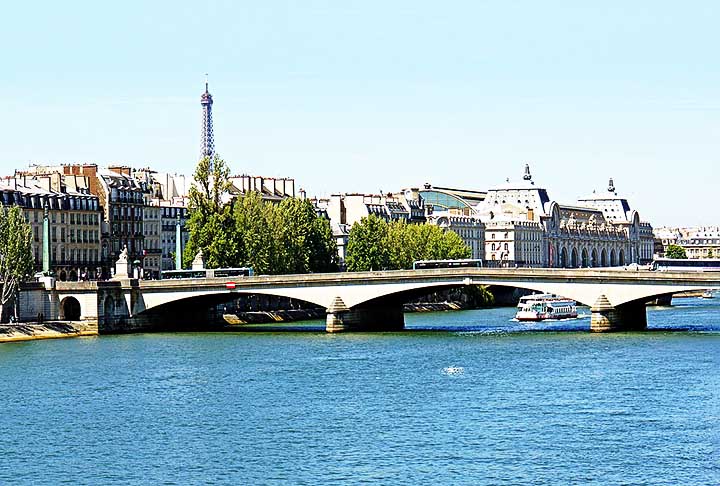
(707, 295)
(539, 307)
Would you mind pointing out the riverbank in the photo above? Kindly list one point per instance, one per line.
(30, 331)
(264, 317)
(294, 315)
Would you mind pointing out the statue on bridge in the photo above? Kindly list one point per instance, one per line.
(198, 262)
(122, 265)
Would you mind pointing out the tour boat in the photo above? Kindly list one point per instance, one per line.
(540, 307)
(707, 295)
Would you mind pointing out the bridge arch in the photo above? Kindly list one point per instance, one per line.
(70, 309)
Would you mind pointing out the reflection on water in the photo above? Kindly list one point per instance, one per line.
(467, 398)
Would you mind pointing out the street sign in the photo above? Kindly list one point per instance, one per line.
(230, 285)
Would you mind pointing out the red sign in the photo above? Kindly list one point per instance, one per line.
(230, 285)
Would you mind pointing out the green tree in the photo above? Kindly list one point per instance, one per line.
(253, 233)
(675, 251)
(306, 241)
(16, 257)
(367, 245)
(210, 225)
(295, 234)
(453, 247)
(323, 249)
(401, 245)
(284, 238)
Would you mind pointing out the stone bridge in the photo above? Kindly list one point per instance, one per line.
(354, 301)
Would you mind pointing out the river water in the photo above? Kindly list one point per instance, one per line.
(466, 398)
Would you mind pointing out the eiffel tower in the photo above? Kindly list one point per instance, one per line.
(207, 148)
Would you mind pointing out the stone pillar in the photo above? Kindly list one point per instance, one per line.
(336, 314)
(625, 317)
(362, 319)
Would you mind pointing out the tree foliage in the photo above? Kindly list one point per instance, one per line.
(367, 247)
(374, 244)
(210, 223)
(271, 238)
(16, 257)
(675, 251)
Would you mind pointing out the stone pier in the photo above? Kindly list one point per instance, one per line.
(371, 318)
(626, 317)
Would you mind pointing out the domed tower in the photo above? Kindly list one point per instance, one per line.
(207, 147)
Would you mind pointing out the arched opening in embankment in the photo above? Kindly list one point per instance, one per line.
(70, 309)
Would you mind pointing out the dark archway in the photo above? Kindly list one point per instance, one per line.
(621, 258)
(612, 258)
(73, 276)
(62, 276)
(563, 258)
(603, 258)
(585, 262)
(594, 258)
(574, 258)
(70, 309)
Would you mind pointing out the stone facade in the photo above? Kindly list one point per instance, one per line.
(524, 227)
(517, 224)
(74, 216)
(470, 229)
(699, 242)
(348, 209)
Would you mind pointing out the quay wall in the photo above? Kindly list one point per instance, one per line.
(31, 331)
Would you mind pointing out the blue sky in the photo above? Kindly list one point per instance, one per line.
(359, 96)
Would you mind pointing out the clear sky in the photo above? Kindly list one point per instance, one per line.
(362, 96)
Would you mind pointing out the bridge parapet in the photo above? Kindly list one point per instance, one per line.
(365, 300)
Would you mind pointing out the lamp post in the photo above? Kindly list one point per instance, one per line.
(178, 244)
(46, 238)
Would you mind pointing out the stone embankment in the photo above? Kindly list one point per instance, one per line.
(263, 317)
(29, 331)
(436, 306)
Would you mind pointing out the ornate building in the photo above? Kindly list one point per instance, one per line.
(74, 218)
(516, 223)
(454, 210)
(123, 200)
